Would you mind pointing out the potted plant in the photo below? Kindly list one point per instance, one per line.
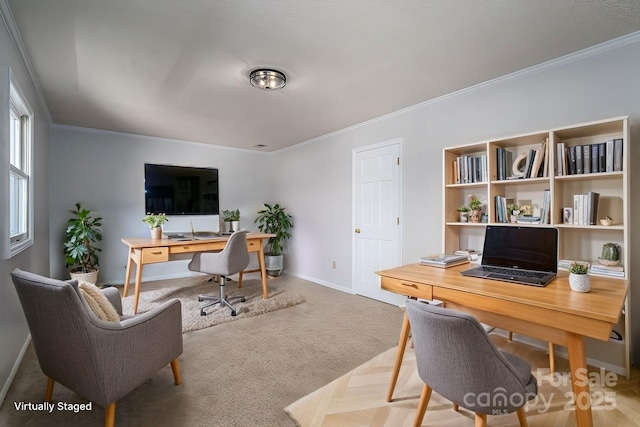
(232, 217)
(463, 210)
(83, 230)
(155, 222)
(274, 220)
(579, 280)
(513, 211)
(475, 207)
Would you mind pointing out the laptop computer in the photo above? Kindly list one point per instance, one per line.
(525, 255)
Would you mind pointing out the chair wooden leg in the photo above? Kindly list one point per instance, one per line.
(48, 395)
(422, 405)
(510, 336)
(481, 420)
(402, 343)
(455, 407)
(110, 415)
(522, 417)
(240, 279)
(552, 358)
(175, 367)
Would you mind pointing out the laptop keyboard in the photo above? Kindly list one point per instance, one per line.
(518, 273)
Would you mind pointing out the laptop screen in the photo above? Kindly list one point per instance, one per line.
(528, 248)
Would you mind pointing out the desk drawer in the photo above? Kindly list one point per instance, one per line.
(197, 247)
(405, 287)
(151, 255)
(253, 245)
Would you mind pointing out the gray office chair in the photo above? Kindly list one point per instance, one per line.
(100, 360)
(456, 358)
(231, 260)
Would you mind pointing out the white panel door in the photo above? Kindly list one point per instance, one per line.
(376, 177)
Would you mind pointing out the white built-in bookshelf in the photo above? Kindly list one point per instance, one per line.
(580, 238)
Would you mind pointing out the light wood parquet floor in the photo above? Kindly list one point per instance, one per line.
(358, 398)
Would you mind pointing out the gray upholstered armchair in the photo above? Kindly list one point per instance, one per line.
(456, 358)
(99, 360)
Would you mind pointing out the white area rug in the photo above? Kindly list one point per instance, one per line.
(188, 289)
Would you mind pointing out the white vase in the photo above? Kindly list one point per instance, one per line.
(464, 216)
(580, 282)
(156, 233)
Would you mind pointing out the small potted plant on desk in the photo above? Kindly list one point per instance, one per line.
(274, 220)
(83, 230)
(579, 280)
(155, 222)
(232, 218)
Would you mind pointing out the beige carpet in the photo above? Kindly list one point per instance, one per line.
(358, 398)
(188, 289)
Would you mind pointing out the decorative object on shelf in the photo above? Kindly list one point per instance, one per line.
(518, 167)
(610, 254)
(475, 208)
(82, 231)
(579, 280)
(267, 79)
(567, 215)
(232, 217)
(514, 212)
(606, 221)
(155, 222)
(274, 220)
(464, 213)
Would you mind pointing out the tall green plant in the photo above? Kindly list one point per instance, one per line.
(274, 220)
(83, 230)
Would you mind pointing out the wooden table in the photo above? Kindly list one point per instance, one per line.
(149, 251)
(554, 313)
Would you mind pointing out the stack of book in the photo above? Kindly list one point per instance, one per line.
(444, 260)
(594, 158)
(604, 270)
(468, 169)
(585, 208)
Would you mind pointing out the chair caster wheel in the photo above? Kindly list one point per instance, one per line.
(233, 313)
(202, 313)
(200, 299)
(242, 299)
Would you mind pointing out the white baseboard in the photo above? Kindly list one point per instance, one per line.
(322, 282)
(14, 370)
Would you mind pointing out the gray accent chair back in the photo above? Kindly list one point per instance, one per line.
(231, 260)
(100, 361)
(456, 358)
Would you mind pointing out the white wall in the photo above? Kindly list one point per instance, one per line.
(105, 172)
(314, 179)
(13, 327)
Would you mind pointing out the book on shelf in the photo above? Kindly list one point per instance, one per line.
(617, 155)
(444, 260)
(609, 156)
(594, 158)
(529, 220)
(586, 158)
(572, 160)
(560, 159)
(602, 157)
(545, 163)
(579, 161)
(585, 208)
(470, 169)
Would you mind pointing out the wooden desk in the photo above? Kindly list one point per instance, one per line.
(554, 313)
(148, 251)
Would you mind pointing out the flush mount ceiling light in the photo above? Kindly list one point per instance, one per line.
(268, 79)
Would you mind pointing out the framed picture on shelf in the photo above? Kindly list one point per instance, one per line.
(567, 215)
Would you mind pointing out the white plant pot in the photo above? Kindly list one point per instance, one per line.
(579, 282)
(156, 233)
(274, 264)
(90, 277)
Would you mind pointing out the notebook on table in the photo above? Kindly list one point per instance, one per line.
(525, 255)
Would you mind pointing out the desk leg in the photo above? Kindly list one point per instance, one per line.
(263, 271)
(127, 277)
(137, 289)
(578, 366)
(402, 344)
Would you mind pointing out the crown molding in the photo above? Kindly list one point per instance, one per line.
(16, 38)
(535, 69)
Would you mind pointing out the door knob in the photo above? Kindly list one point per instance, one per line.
(357, 230)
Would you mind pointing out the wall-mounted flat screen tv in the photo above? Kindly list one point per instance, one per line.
(179, 190)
